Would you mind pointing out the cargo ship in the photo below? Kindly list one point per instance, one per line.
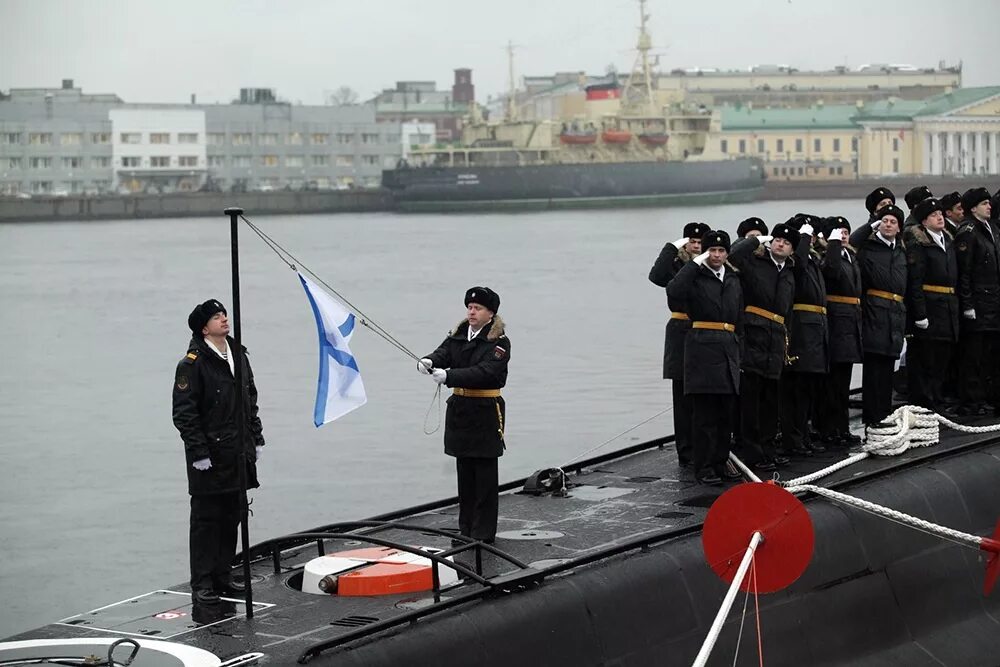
(631, 145)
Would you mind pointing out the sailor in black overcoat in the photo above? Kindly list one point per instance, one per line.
(473, 360)
(711, 288)
(882, 260)
(670, 261)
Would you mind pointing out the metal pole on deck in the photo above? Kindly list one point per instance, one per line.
(234, 213)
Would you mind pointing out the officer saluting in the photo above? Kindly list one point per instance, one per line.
(842, 276)
(472, 360)
(711, 289)
(205, 397)
(670, 261)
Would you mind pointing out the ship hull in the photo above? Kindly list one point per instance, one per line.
(562, 186)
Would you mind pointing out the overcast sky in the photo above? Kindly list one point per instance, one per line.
(165, 50)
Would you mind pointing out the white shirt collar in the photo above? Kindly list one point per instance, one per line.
(937, 236)
(226, 356)
(719, 272)
(472, 334)
(778, 264)
(884, 240)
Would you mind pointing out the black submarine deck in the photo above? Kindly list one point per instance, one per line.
(612, 574)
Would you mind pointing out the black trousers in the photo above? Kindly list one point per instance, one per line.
(478, 503)
(682, 421)
(214, 522)
(832, 402)
(927, 364)
(977, 381)
(711, 429)
(798, 393)
(876, 387)
(758, 417)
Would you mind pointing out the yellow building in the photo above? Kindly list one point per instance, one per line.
(955, 133)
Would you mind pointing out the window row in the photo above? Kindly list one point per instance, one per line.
(51, 139)
(780, 145)
(803, 171)
(293, 161)
(103, 162)
(158, 137)
(292, 138)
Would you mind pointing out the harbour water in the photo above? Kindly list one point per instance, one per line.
(93, 504)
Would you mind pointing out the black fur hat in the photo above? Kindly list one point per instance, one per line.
(974, 197)
(787, 232)
(695, 230)
(917, 195)
(834, 222)
(202, 313)
(716, 239)
(484, 296)
(950, 200)
(894, 211)
(749, 225)
(877, 195)
(925, 208)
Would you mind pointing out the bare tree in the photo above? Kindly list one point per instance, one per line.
(344, 95)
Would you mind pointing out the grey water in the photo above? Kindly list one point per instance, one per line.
(93, 499)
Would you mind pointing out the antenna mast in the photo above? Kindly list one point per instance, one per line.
(638, 94)
(512, 89)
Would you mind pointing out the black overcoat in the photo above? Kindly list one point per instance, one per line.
(808, 337)
(711, 358)
(883, 269)
(667, 264)
(842, 276)
(204, 399)
(929, 264)
(979, 274)
(474, 427)
(764, 341)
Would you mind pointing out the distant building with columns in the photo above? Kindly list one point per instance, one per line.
(951, 134)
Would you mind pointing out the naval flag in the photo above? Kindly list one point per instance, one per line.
(340, 388)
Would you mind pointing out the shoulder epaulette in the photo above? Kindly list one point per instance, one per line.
(190, 358)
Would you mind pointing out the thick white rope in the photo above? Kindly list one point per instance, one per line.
(894, 515)
(727, 603)
(907, 427)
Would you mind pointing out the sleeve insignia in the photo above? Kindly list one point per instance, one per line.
(963, 245)
(498, 352)
(182, 383)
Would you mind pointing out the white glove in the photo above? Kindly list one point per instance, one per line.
(680, 243)
(424, 366)
(875, 225)
(922, 324)
(440, 375)
(765, 239)
(202, 464)
(839, 234)
(260, 450)
(969, 314)
(806, 229)
(700, 259)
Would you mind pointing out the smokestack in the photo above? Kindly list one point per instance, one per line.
(67, 84)
(193, 98)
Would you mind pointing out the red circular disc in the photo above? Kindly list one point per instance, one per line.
(778, 515)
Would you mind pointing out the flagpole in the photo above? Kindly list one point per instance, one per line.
(234, 213)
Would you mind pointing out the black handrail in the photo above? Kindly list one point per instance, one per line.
(630, 545)
(308, 536)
